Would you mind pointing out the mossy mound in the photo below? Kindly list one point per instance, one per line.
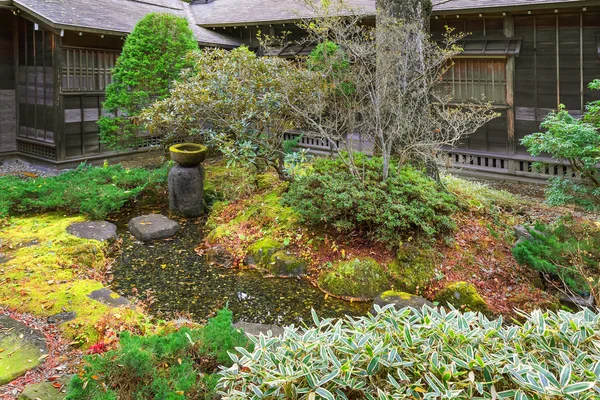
(413, 268)
(224, 184)
(359, 278)
(399, 300)
(462, 295)
(259, 253)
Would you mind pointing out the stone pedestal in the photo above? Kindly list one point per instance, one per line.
(186, 190)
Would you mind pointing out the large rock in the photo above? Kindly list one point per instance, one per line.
(287, 265)
(259, 253)
(358, 278)
(463, 296)
(256, 329)
(55, 390)
(96, 230)
(400, 300)
(186, 190)
(152, 227)
(22, 349)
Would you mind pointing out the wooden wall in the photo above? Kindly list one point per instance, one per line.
(558, 59)
(7, 83)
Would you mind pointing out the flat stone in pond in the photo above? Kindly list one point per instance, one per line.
(256, 329)
(96, 230)
(400, 300)
(46, 390)
(110, 298)
(22, 348)
(152, 227)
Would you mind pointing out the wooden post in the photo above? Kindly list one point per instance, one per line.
(509, 32)
(58, 106)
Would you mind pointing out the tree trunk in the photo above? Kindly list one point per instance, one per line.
(409, 10)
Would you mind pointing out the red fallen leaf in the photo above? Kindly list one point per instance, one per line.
(53, 378)
(57, 385)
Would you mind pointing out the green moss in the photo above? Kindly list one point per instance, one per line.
(260, 252)
(357, 278)
(392, 294)
(16, 358)
(266, 181)
(222, 184)
(286, 264)
(413, 268)
(462, 295)
(49, 274)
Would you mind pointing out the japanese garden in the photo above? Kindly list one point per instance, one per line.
(312, 199)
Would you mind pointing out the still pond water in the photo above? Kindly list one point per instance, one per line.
(181, 281)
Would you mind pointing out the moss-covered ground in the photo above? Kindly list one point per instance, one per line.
(51, 271)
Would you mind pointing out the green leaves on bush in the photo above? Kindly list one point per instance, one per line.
(578, 142)
(89, 190)
(423, 354)
(180, 365)
(565, 251)
(152, 58)
(405, 204)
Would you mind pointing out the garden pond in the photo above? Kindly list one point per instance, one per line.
(181, 281)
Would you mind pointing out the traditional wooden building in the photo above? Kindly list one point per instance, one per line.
(525, 56)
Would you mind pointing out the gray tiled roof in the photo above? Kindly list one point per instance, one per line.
(236, 12)
(113, 15)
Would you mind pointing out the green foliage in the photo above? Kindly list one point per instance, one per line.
(329, 57)
(179, 365)
(239, 103)
(405, 204)
(577, 141)
(89, 190)
(423, 354)
(570, 252)
(152, 58)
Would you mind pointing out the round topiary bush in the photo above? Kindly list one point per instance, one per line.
(152, 58)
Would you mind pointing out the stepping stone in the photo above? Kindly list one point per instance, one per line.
(400, 300)
(152, 227)
(46, 390)
(96, 230)
(61, 317)
(21, 349)
(109, 298)
(250, 328)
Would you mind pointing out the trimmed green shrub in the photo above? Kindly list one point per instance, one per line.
(93, 191)
(180, 365)
(423, 354)
(153, 57)
(565, 251)
(405, 204)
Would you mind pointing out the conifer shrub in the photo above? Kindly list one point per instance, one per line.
(152, 58)
(93, 191)
(180, 365)
(405, 204)
(423, 354)
(566, 251)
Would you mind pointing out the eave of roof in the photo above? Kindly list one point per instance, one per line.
(112, 17)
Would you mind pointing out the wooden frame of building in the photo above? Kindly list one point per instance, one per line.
(525, 56)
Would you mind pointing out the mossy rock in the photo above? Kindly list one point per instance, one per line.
(266, 181)
(413, 268)
(463, 295)
(286, 264)
(400, 300)
(260, 253)
(359, 278)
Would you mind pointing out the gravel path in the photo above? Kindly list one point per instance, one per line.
(25, 169)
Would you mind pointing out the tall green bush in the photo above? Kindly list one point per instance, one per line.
(152, 58)
(423, 354)
(577, 141)
(405, 204)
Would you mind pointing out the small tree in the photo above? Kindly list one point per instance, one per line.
(393, 71)
(152, 58)
(578, 142)
(240, 103)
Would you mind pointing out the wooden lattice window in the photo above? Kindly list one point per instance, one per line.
(476, 79)
(87, 70)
